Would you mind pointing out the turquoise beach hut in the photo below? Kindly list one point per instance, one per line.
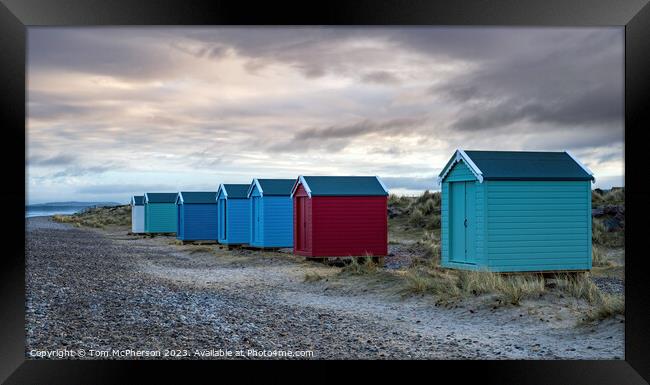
(197, 216)
(271, 213)
(508, 211)
(160, 212)
(233, 214)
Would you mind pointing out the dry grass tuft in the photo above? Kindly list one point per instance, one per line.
(313, 277)
(201, 249)
(420, 280)
(579, 286)
(511, 289)
(608, 306)
(360, 266)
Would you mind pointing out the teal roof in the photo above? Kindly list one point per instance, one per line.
(235, 190)
(277, 187)
(138, 200)
(343, 186)
(198, 196)
(160, 197)
(524, 165)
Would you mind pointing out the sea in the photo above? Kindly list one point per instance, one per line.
(39, 211)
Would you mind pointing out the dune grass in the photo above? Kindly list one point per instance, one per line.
(609, 305)
(360, 266)
(312, 276)
(100, 217)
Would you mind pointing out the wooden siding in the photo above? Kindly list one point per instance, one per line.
(460, 172)
(349, 226)
(237, 226)
(444, 224)
(197, 222)
(180, 225)
(538, 225)
(303, 225)
(160, 218)
(277, 221)
(137, 219)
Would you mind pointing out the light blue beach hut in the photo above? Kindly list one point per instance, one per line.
(197, 216)
(271, 213)
(160, 212)
(233, 214)
(508, 211)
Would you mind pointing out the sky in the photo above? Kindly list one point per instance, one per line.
(113, 112)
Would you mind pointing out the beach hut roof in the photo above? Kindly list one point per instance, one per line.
(341, 186)
(196, 197)
(268, 187)
(520, 165)
(237, 191)
(137, 200)
(160, 197)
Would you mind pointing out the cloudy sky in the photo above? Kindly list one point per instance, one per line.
(118, 111)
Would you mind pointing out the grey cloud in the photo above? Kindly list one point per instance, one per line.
(381, 77)
(125, 54)
(364, 127)
(389, 150)
(56, 160)
(572, 80)
(81, 171)
(133, 189)
(337, 138)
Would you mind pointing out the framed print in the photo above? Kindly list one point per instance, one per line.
(460, 185)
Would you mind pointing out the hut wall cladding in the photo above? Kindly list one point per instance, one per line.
(235, 213)
(461, 173)
(342, 226)
(160, 217)
(137, 219)
(350, 225)
(303, 227)
(197, 222)
(533, 225)
(271, 220)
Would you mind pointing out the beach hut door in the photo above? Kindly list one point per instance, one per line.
(256, 219)
(302, 224)
(462, 221)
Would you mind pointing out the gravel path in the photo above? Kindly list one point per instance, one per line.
(98, 290)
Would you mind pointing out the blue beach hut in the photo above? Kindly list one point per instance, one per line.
(197, 216)
(271, 213)
(233, 214)
(160, 212)
(508, 211)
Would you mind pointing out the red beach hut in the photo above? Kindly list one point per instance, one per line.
(338, 216)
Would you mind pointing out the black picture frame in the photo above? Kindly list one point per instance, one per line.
(17, 15)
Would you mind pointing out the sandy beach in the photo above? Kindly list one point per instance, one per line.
(100, 290)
